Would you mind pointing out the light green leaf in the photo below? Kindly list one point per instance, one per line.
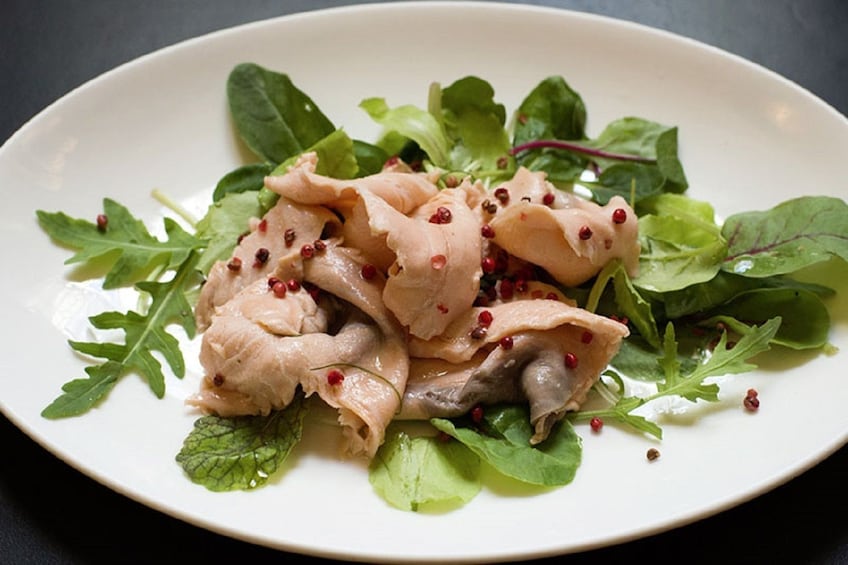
(417, 473)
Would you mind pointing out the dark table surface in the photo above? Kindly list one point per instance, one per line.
(51, 513)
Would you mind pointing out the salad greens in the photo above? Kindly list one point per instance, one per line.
(722, 292)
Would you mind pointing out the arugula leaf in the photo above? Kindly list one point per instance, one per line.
(125, 241)
(145, 333)
(504, 443)
(274, 118)
(724, 360)
(241, 453)
(792, 235)
(417, 473)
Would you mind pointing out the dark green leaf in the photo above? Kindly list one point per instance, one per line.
(552, 110)
(274, 118)
(631, 181)
(506, 446)
(134, 252)
(369, 158)
(243, 179)
(475, 122)
(789, 237)
(805, 319)
(145, 333)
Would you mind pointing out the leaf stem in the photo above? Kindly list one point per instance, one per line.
(577, 148)
(169, 203)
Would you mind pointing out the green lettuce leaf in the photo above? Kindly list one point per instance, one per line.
(413, 123)
(419, 473)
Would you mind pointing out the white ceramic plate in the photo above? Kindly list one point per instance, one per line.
(749, 139)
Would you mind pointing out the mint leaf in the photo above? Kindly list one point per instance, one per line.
(145, 333)
(503, 441)
(792, 235)
(241, 453)
(133, 251)
(417, 473)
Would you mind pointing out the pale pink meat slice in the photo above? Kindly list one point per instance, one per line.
(253, 366)
(436, 273)
(307, 223)
(549, 235)
(556, 353)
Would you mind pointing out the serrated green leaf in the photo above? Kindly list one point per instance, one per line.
(242, 453)
(144, 334)
(125, 238)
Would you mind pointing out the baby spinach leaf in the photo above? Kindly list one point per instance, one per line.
(705, 297)
(504, 443)
(369, 158)
(242, 179)
(805, 319)
(241, 453)
(145, 333)
(417, 473)
(552, 110)
(274, 118)
(132, 251)
(792, 235)
(632, 181)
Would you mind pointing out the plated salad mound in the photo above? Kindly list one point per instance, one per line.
(465, 290)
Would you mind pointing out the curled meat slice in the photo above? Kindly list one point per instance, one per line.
(571, 238)
(252, 367)
(436, 273)
(402, 191)
(306, 224)
(554, 355)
